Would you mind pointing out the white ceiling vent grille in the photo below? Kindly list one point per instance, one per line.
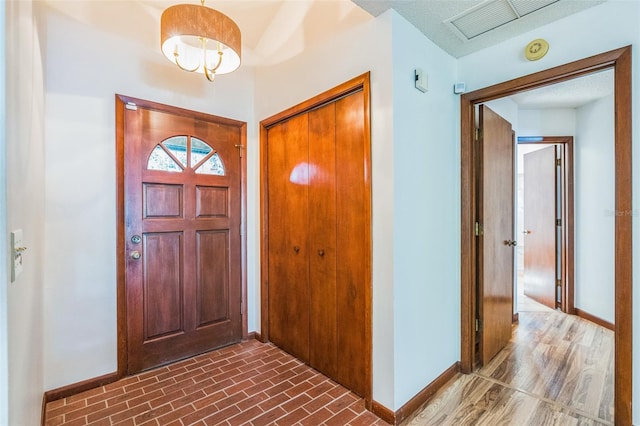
(492, 14)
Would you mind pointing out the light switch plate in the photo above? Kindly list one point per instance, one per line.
(17, 254)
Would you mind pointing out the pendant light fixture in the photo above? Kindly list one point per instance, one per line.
(200, 39)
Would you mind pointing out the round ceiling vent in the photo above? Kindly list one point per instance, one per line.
(536, 49)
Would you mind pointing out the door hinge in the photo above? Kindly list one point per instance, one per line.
(478, 325)
(477, 135)
(558, 161)
(479, 230)
(131, 106)
(558, 222)
(240, 148)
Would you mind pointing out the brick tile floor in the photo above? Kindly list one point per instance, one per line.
(250, 383)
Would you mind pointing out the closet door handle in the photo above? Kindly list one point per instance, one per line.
(296, 249)
(320, 252)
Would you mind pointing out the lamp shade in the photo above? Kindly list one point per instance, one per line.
(183, 28)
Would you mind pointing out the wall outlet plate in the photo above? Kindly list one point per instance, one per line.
(17, 254)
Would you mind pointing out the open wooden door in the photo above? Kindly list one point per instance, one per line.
(540, 252)
(495, 233)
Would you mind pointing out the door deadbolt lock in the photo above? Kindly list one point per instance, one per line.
(135, 255)
(136, 239)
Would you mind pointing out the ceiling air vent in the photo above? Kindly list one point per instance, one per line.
(492, 14)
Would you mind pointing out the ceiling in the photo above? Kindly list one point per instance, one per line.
(569, 94)
(272, 30)
(276, 30)
(431, 18)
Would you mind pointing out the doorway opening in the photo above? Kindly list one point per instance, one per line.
(545, 223)
(620, 61)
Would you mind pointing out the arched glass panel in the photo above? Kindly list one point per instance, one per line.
(160, 160)
(172, 155)
(213, 166)
(199, 150)
(177, 145)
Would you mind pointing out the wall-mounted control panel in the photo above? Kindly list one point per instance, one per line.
(420, 79)
(17, 254)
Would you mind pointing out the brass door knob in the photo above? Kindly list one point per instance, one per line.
(320, 252)
(296, 249)
(135, 255)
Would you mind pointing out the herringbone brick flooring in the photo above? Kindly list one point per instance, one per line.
(250, 383)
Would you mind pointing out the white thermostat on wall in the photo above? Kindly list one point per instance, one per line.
(421, 80)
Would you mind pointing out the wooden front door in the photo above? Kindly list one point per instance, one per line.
(495, 240)
(540, 249)
(182, 226)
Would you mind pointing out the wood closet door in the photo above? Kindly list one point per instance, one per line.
(319, 246)
(352, 244)
(288, 166)
(322, 239)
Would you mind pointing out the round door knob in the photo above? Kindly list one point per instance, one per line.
(135, 255)
(320, 252)
(296, 249)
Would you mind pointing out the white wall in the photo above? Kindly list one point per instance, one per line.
(86, 66)
(594, 208)
(507, 109)
(426, 213)
(4, 355)
(365, 48)
(547, 122)
(25, 206)
(573, 38)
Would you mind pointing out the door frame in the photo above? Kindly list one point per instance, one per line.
(361, 82)
(121, 104)
(620, 61)
(567, 304)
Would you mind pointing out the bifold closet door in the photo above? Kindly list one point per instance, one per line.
(323, 326)
(288, 157)
(318, 253)
(352, 246)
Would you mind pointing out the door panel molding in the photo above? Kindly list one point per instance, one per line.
(211, 204)
(620, 61)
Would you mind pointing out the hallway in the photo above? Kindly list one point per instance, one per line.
(556, 370)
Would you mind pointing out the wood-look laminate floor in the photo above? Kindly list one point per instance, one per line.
(556, 370)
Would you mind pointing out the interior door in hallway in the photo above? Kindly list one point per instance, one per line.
(495, 240)
(182, 248)
(540, 250)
